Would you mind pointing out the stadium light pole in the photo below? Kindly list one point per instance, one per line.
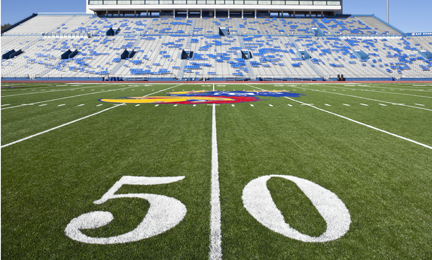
(388, 18)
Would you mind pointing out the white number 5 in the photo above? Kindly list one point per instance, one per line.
(164, 213)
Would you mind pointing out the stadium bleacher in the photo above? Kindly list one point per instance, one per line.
(358, 47)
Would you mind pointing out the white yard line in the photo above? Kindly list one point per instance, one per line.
(34, 103)
(47, 91)
(71, 122)
(360, 123)
(371, 99)
(410, 88)
(215, 216)
(57, 127)
(373, 90)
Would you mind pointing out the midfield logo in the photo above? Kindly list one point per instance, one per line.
(204, 97)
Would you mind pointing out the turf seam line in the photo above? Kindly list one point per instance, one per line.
(215, 216)
(376, 100)
(360, 123)
(71, 122)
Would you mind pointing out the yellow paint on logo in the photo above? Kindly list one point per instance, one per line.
(161, 100)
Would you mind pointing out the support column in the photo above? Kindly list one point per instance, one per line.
(174, 13)
(201, 13)
(242, 13)
(255, 14)
(147, 13)
(215, 13)
(134, 12)
(228, 13)
(187, 13)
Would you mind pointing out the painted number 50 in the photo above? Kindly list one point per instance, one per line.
(166, 212)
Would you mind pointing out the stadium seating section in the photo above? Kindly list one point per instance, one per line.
(358, 47)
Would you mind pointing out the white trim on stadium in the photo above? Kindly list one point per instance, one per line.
(216, 8)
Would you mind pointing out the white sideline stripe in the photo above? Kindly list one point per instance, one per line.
(5, 105)
(34, 103)
(42, 105)
(419, 104)
(61, 105)
(371, 99)
(54, 128)
(215, 213)
(363, 124)
(80, 105)
(71, 122)
(327, 105)
(364, 104)
(382, 105)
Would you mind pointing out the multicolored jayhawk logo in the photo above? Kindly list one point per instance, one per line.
(203, 97)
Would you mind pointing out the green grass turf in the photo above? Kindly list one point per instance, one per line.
(385, 182)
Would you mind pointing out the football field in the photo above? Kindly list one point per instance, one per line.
(216, 171)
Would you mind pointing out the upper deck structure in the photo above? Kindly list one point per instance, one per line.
(216, 8)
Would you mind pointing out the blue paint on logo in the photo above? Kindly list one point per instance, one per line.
(240, 94)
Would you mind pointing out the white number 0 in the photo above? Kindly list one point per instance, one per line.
(258, 202)
(164, 213)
